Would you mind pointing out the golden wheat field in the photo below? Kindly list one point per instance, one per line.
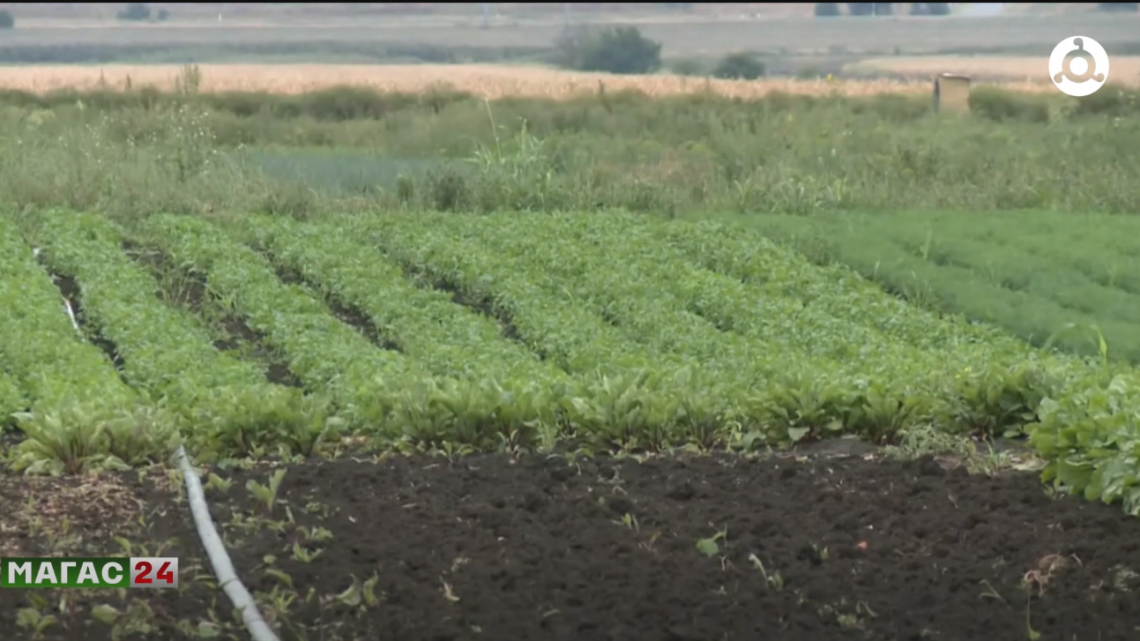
(492, 81)
(1124, 70)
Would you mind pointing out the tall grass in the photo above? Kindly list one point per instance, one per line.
(142, 151)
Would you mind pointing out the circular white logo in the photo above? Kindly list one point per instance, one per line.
(1078, 66)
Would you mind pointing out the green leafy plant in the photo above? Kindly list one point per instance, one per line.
(267, 493)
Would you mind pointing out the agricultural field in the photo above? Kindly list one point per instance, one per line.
(1005, 269)
(518, 357)
(304, 340)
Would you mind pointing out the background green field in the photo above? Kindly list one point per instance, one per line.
(1016, 216)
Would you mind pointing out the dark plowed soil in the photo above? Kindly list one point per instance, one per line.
(489, 548)
(95, 517)
(69, 287)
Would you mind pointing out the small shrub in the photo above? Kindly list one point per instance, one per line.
(688, 67)
(620, 50)
(740, 66)
(826, 9)
(135, 12)
(7, 21)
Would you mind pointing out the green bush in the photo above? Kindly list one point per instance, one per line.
(135, 12)
(739, 66)
(619, 50)
(688, 67)
(6, 20)
(826, 9)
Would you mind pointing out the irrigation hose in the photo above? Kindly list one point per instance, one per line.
(216, 550)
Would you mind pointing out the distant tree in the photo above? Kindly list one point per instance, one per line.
(860, 8)
(1130, 7)
(7, 21)
(826, 9)
(618, 50)
(163, 15)
(884, 8)
(938, 8)
(135, 12)
(740, 66)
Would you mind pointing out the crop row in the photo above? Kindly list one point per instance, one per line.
(757, 365)
(11, 399)
(1082, 418)
(426, 324)
(40, 347)
(600, 328)
(167, 354)
(326, 354)
(999, 270)
(80, 410)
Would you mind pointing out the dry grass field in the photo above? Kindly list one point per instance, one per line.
(492, 81)
(1123, 69)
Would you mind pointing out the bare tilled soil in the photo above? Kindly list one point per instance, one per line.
(100, 516)
(701, 549)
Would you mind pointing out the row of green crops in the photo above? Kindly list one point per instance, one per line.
(777, 364)
(41, 348)
(11, 400)
(425, 324)
(167, 354)
(599, 328)
(920, 367)
(325, 354)
(392, 392)
(1007, 269)
(81, 411)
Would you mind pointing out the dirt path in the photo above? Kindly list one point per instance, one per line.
(838, 548)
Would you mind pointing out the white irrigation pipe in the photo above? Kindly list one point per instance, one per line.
(215, 549)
